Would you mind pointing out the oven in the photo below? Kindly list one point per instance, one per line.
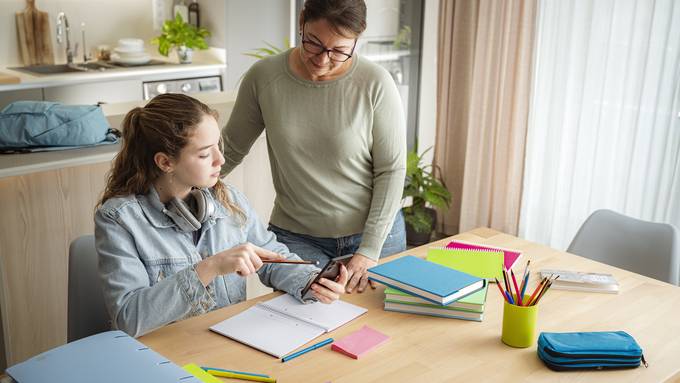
(208, 84)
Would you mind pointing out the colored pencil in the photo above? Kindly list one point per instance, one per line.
(514, 282)
(501, 290)
(533, 295)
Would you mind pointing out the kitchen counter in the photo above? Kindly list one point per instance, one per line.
(22, 164)
(207, 63)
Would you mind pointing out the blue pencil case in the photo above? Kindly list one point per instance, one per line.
(589, 350)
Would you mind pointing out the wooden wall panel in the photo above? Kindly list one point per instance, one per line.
(41, 214)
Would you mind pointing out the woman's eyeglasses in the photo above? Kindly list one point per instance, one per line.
(316, 49)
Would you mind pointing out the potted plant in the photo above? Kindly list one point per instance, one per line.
(426, 192)
(182, 36)
(269, 50)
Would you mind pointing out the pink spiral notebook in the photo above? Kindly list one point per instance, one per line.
(360, 342)
(510, 256)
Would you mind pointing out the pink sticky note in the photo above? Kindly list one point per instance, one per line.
(510, 256)
(359, 342)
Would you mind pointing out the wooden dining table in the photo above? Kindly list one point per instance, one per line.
(432, 349)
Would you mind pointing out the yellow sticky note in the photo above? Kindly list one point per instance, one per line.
(198, 372)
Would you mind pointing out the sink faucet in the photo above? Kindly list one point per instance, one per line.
(63, 29)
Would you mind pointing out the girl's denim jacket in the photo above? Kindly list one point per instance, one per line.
(146, 264)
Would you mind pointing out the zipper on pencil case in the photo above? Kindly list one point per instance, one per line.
(560, 367)
(592, 356)
(595, 361)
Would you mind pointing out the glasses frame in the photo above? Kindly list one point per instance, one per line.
(326, 50)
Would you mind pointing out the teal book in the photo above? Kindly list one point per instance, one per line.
(435, 283)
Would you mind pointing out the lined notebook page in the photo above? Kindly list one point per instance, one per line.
(282, 324)
(327, 316)
(267, 330)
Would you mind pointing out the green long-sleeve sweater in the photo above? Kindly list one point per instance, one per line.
(337, 148)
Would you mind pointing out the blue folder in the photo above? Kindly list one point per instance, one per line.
(108, 357)
(428, 280)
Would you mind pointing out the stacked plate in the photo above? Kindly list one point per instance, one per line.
(130, 52)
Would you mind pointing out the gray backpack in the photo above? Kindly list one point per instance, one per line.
(27, 126)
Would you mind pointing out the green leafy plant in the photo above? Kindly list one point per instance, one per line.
(177, 33)
(269, 50)
(425, 189)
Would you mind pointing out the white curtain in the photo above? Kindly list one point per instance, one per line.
(604, 123)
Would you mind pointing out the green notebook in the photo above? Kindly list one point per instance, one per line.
(480, 263)
(473, 302)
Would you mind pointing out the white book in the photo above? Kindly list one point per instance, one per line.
(580, 281)
(282, 324)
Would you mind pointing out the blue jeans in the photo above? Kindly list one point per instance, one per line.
(323, 249)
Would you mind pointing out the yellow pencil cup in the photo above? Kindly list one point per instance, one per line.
(519, 324)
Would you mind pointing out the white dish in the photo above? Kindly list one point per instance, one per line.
(130, 60)
(130, 54)
(131, 43)
(128, 50)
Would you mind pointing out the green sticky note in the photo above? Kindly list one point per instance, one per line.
(480, 263)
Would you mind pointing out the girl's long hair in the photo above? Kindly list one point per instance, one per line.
(164, 125)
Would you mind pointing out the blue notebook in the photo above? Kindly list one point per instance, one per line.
(428, 280)
(108, 357)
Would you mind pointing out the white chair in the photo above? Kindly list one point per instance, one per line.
(87, 314)
(647, 248)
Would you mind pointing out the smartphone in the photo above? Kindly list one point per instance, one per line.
(330, 271)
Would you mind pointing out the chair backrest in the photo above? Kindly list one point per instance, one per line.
(647, 248)
(87, 314)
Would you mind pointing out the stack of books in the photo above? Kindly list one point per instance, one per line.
(421, 287)
(461, 269)
(470, 307)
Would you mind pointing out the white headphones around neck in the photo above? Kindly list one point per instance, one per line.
(190, 215)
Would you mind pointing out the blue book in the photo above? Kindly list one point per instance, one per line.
(428, 280)
(108, 357)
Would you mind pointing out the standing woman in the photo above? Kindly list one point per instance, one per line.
(337, 142)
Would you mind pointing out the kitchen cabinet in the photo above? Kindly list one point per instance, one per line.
(44, 210)
(92, 93)
(9, 97)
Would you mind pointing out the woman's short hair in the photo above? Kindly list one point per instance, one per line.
(344, 15)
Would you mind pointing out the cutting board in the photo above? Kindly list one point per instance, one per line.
(35, 38)
(9, 79)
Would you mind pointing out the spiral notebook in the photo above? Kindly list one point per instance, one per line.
(510, 256)
(281, 325)
(485, 264)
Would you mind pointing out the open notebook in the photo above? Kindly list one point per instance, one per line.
(280, 325)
